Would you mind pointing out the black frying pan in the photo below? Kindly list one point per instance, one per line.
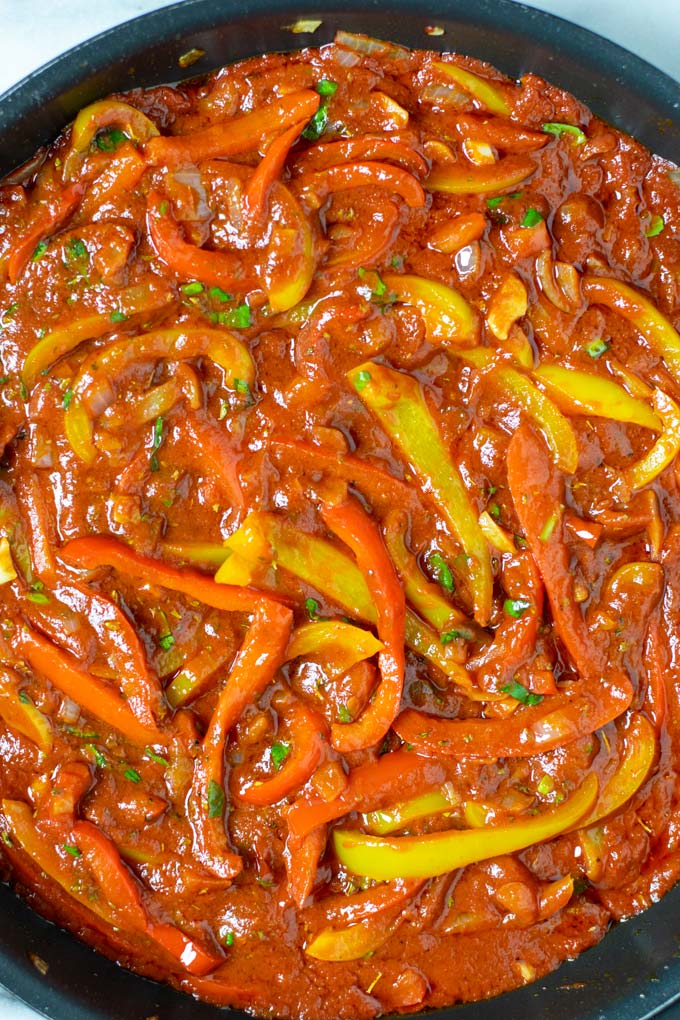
(635, 973)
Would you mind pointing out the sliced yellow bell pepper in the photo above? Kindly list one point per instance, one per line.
(107, 113)
(314, 560)
(459, 179)
(495, 535)
(384, 859)
(489, 94)
(211, 554)
(436, 802)
(397, 400)
(666, 447)
(641, 312)
(446, 313)
(7, 570)
(556, 429)
(354, 942)
(423, 595)
(20, 714)
(341, 643)
(290, 257)
(138, 300)
(639, 752)
(578, 392)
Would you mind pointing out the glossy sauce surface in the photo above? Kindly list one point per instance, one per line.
(387, 344)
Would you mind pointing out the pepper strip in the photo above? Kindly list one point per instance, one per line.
(222, 269)
(489, 95)
(425, 596)
(307, 745)
(641, 312)
(640, 748)
(397, 400)
(342, 643)
(398, 816)
(120, 889)
(345, 176)
(352, 150)
(355, 528)
(459, 179)
(665, 449)
(94, 696)
(289, 262)
(441, 852)
(447, 315)
(537, 491)
(141, 299)
(102, 551)
(20, 714)
(97, 117)
(584, 393)
(527, 732)
(232, 137)
(43, 221)
(261, 654)
(268, 170)
(393, 776)
(357, 940)
(301, 857)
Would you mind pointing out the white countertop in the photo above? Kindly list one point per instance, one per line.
(34, 31)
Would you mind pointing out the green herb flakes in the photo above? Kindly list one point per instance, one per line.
(216, 800)
(279, 752)
(519, 693)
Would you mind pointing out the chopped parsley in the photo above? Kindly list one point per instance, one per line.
(156, 440)
(520, 693)
(24, 698)
(215, 800)
(99, 759)
(150, 753)
(166, 641)
(229, 938)
(655, 227)
(66, 399)
(38, 597)
(237, 318)
(72, 850)
(76, 250)
(596, 347)
(516, 607)
(118, 316)
(241, 386)
(195, 287)
(279, 752)
(312, 607)
(557, 129)
(532, 217)
(217, 294)
(493, 203)
(361, 380)
(133, 775)
(108, 141)
(40, 250)
(456, 634)
(442, 572)
(326, 87)
(344, 714)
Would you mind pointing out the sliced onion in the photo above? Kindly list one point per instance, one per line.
(366, 44)
(438, 94)
(69, 711)
(346, 58)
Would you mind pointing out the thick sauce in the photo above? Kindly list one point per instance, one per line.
(387, 344)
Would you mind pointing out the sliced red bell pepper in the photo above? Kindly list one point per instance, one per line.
(537, 490)
(322, 183)
(234, 136)
(356, 529)
(394, 776)
(268, 170)
(116, 882)
(307, 739)
(44, 220)
(527, 732)
(215, 454)
(93, 695)
(102, 551)
(216, 268)
(365, 147)
(302, 859)
(261, 654)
